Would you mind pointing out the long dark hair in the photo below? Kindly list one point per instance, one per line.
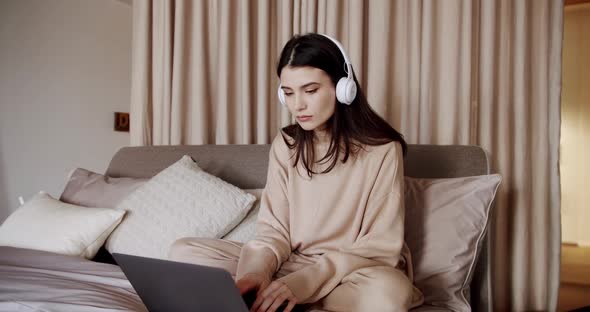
(352, 125)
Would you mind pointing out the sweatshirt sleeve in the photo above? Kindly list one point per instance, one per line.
(271, 246)
(379, 241)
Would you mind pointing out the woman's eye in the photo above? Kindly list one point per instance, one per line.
(311, 91)
(288, 93)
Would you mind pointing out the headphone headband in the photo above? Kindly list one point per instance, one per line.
(347, 62)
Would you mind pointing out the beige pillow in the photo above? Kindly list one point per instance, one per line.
(180, 201)
(44, 223)
(90, 189)
(445, 223)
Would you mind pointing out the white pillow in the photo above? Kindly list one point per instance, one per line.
(45, 223)
(246, 230)
(180, 201)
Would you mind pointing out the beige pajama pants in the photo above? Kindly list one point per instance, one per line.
(378, 288)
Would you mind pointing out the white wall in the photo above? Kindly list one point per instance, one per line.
(575, 126)
(65, 68)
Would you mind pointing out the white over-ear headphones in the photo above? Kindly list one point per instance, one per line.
(345, 88)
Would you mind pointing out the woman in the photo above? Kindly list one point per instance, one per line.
(330, 230)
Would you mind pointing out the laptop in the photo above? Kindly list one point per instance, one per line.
(169, 286)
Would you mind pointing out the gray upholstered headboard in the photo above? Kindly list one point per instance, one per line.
(245, 166)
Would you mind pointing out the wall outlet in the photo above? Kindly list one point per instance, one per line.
(122, 122)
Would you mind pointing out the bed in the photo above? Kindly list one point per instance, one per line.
(33, 280)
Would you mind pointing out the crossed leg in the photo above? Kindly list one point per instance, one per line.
(378, 288)
(223, 254)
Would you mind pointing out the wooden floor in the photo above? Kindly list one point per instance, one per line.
(574, 291)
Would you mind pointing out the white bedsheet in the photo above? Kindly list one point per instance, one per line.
(40, 281)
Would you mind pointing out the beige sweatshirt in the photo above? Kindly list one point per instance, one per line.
(349, 218)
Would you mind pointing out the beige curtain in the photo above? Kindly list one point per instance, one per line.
(483, 72)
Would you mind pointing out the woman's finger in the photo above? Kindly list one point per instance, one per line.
(268, 301)
(277, 302)
(271, 294)
(270, 289)
(290, 305)
(262, 296)
(283, 296)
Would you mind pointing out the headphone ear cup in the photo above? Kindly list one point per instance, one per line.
(281, 95)
(350, 90)
(346, 90)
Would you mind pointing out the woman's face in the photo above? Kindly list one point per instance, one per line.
(310, 96)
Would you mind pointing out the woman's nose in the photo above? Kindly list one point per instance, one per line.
(299, 103)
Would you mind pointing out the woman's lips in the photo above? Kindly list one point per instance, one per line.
(304, 118)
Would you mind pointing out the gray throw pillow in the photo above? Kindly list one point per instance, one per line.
(445, 223)
(90, 189)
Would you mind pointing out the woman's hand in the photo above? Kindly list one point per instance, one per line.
(272, 297)
(252, 282)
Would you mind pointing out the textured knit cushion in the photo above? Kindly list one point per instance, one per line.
(90, 189)
(180, 201)
(44, 223)
(445, 223)
(246, 230)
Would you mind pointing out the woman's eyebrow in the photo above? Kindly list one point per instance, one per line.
(308, 84)
(303, 86)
